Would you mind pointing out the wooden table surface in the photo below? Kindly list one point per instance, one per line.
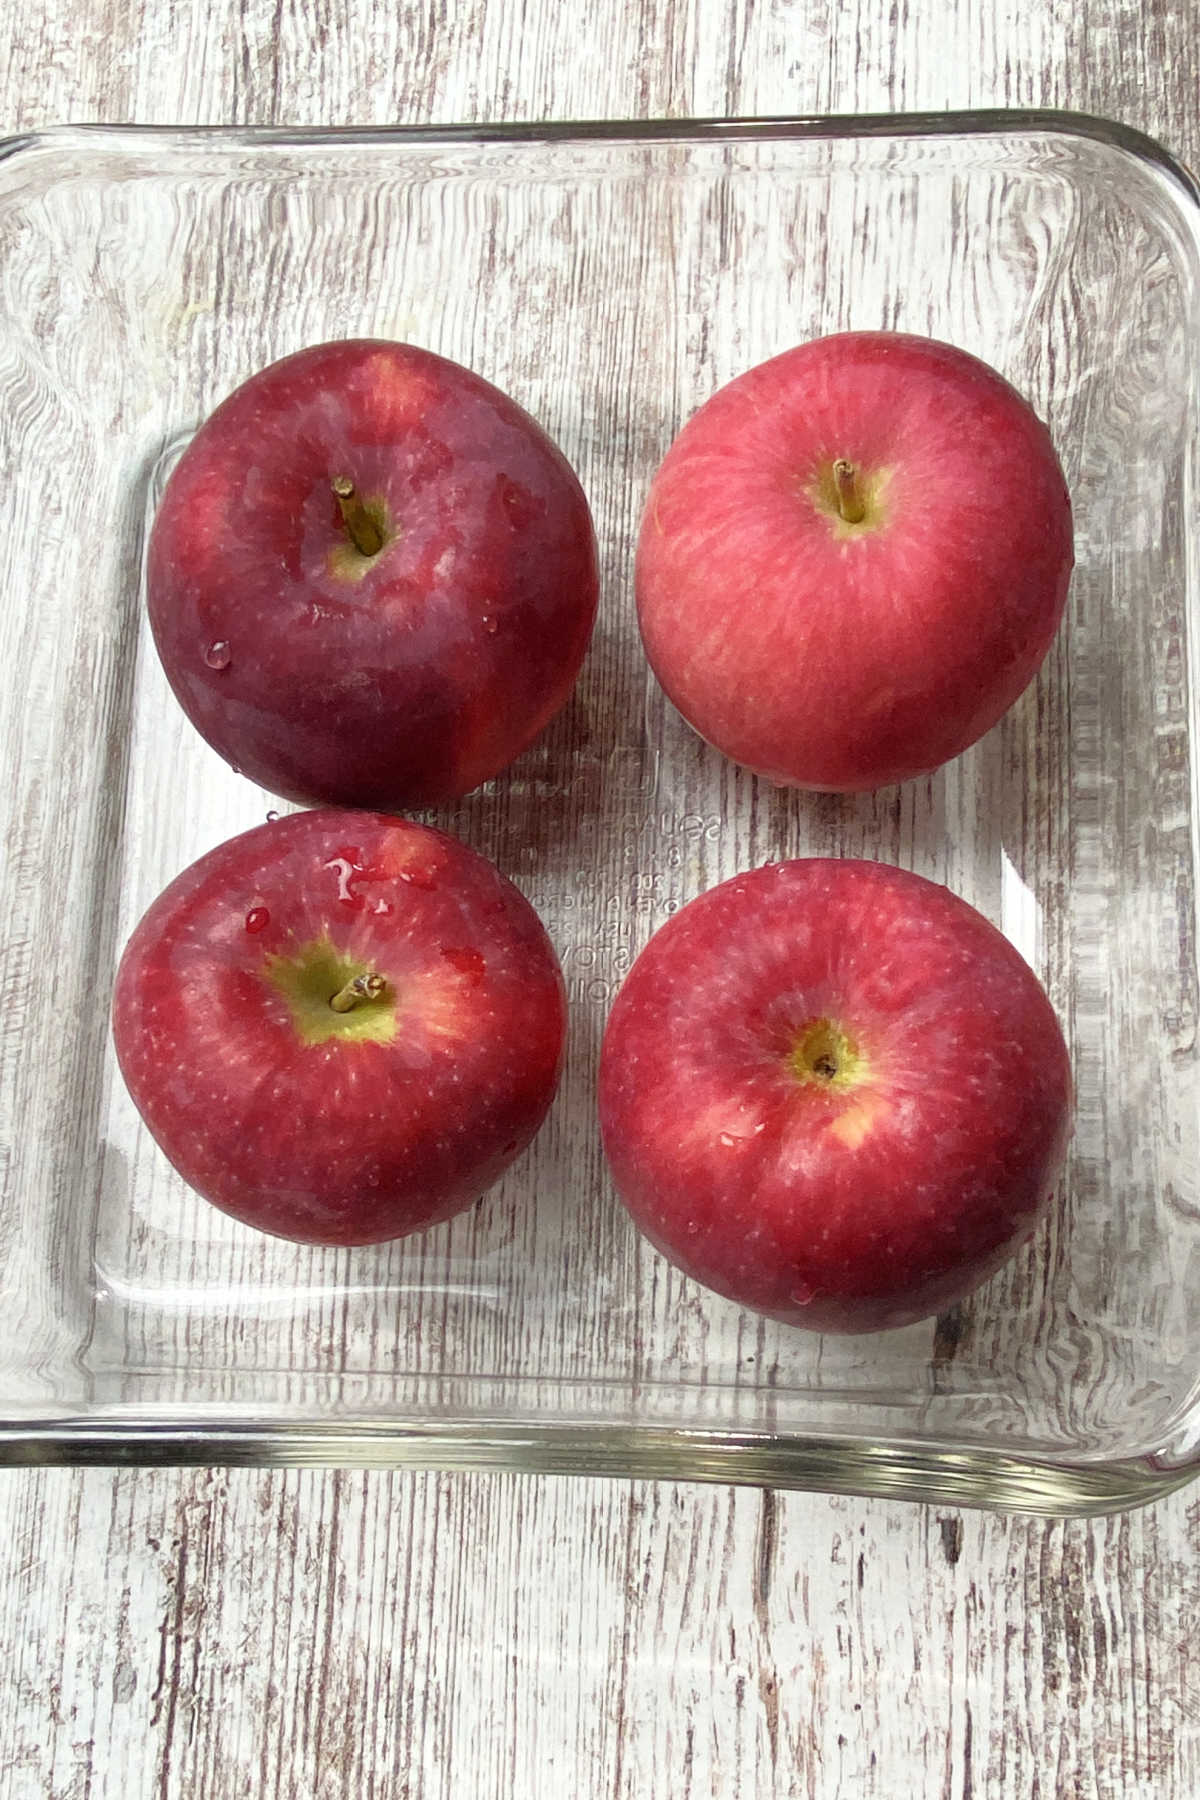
(217, 1633)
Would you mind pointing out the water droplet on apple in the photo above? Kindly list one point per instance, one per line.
(802, 1293)
(217, 654)
(257, 919)
(271, 817)
(729, 1139)
(382, 906)
(489, 623)
(761, 1126)
(418, 877)
(521, 506)
(469, 963)
(345, 871)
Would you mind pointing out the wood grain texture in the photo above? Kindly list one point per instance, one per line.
(318, 1635)
(323, 1635)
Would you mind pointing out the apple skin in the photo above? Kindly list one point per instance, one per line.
(396, 680)
(839, 656)
(341, 1140)
(855, 1203)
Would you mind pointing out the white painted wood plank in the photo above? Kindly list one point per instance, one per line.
(327, 1634)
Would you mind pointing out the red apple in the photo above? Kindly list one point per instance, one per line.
(340, 1027)
(372, 577)
(853, 560)
(834, 1092)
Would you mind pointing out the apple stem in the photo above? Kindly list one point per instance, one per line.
(849, 498)
(363, 987)
(364, 532)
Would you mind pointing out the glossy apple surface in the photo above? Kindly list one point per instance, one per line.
(853, 560)
(340, 1027)
(834, 1092)
(395, 645)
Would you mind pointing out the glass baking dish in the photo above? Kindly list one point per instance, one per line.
(610, 277)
